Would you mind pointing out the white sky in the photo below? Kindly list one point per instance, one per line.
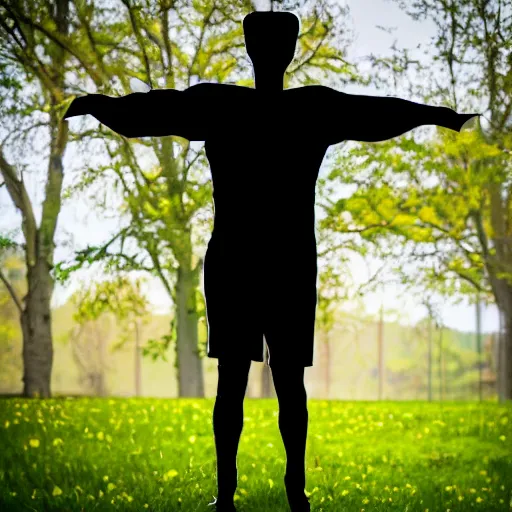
(80, 225)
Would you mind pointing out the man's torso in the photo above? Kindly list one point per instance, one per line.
(264, 157)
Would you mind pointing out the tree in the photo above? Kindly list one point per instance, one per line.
(474, 46)
(439, 211)
(101, 305)
(26, 55)
(88, 341)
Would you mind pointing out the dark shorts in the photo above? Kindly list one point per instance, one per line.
(249, 299)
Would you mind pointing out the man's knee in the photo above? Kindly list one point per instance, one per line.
(289, 383)
(286, 372)
(233, 378)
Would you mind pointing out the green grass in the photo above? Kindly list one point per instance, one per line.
(156, 454)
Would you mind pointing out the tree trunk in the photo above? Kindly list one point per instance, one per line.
(503, 293)
(507, 366)
(101, 372)
(430, 357)
(138, 369)
(380, 343)
(505, 358)
(97, 382)
(189, 363)
(37, 332)
(327, 366)
(479, 347)
(501, 288)
(444, 355)
(440, 365)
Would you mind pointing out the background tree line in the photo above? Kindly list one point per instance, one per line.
(100, 334)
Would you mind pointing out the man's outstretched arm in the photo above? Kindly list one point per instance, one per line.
(378, 118)
(157, 113)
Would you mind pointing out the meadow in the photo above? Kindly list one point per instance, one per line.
(158, 455)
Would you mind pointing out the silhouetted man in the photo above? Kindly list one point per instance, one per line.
(265, 147)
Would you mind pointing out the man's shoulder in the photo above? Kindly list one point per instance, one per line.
(315, 90)
(310, 89)
(215, 89)
(229, 88)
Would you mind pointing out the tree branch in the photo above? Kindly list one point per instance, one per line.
(11, 291)
(21, 200)
(140, 40)
(61, 42)
(52, 201)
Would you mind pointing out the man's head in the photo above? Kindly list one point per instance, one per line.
(270, 39)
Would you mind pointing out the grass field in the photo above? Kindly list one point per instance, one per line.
(157, 454)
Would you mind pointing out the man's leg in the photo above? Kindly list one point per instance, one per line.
(293, 424)
(228, 420)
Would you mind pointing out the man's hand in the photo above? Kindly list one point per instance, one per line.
(467, 121)
(456, 121)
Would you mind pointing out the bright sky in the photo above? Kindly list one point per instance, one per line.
(80, 225)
